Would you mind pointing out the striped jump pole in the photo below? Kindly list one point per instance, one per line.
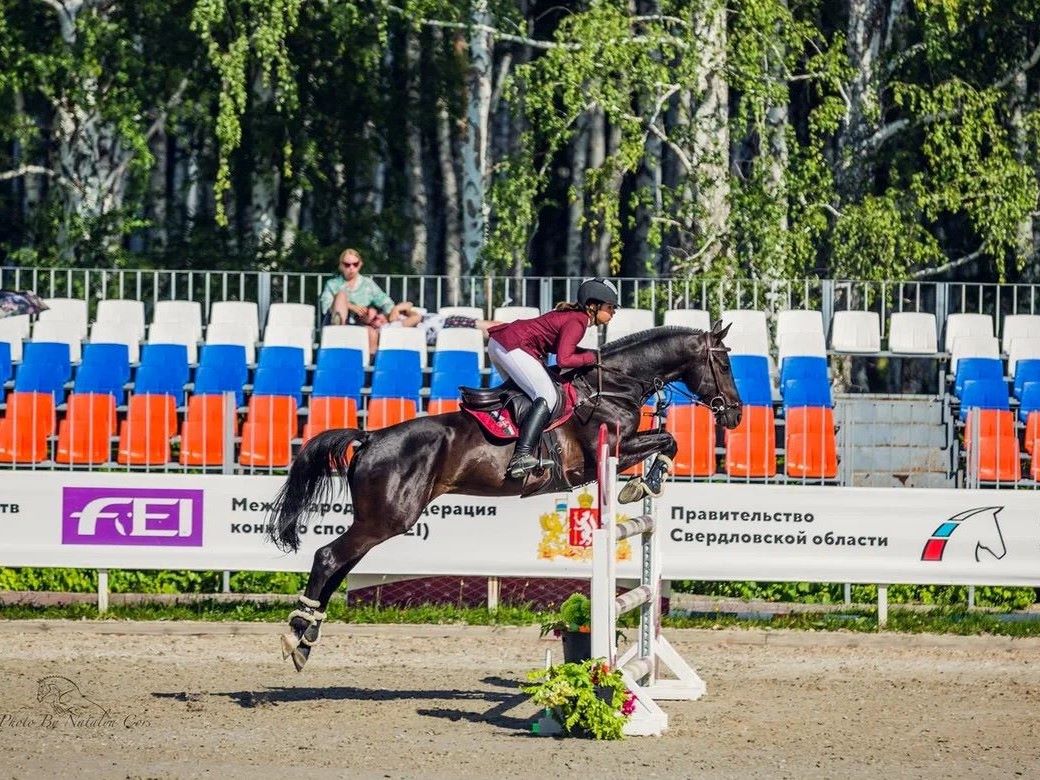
(641, 663)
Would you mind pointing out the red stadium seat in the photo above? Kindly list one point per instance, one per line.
(268, 431)
(384, 412)
(1032, 432)
(810, 445)
(202, 435)
(85, 435)
(751, 446)
(442, 405)
(326, 412)
(998, 456)
(693, 427)
(144, 437)
(24, 431)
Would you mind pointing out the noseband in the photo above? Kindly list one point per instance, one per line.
(718, 404)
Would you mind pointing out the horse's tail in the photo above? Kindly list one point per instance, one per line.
(320, 458)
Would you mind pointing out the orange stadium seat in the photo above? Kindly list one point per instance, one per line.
(442, 405)
(998, 457)
(693, 427)
(85, 435)
(1032, 432)
(810, 445)
(202, 435)
(328, 412)
(751, 446)
(25, 428)
(646, 422)
(268, 431)
(144, 436)
(384, 412)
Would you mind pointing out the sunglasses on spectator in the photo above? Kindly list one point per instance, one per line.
(351, 265)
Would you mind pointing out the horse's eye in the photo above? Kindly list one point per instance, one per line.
(724, 367)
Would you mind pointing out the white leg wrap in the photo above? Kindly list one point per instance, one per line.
(309, 602)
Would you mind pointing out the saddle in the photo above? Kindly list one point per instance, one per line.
(500, 410)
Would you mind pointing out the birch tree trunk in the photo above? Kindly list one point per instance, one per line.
(414, 164)
(474, 162)
(777, 121)
(576, 206)
(450, 194)
(1026, 235)
(597, 155)
(711, 134)
(157, 187)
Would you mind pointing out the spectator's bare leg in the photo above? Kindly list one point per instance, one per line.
(373, 339)
(340, 307)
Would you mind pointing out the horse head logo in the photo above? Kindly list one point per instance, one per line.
(989, 539)
(64, 697)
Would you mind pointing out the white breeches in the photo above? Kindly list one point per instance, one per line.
(525, 370)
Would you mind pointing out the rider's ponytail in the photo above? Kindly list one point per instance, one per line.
(568, 306)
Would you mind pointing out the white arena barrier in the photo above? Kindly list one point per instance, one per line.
(641, 663)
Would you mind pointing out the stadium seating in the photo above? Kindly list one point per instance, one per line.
(856, 332)
(977, 368)
(998, 458)
(116, 333)
(105, 369)
(1026, 371)
(983, 394)
(513, 313)
(144, 436)
(1018, 326)
(326, 412)
(748, 334)
(13, 331)
(268, 431)
(346, 337)
(59, 332)
(751, 375)
(231, 333)
(1023, 348)
(473, 312)
(84, 436)
(6, 370)
(300, 337)
(693, 427)
(1030, 400)
(24, 430)
(45, 367)
(244, 313)
(71, 311)
(292, 314)
(186, 316)
(1032, 436)
(689, 318)
(973, 346)
(125, 314)
(202, 434)
(810, 448)
(628, 321)
(913, 333)
(791, 321)
(280, 372)
(751, 446)
(804, 382)
(966, 325)
(799, 343)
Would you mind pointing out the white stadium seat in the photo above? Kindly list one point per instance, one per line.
(121, 310)
(973, 346)
(798, 321)
(66, 310)
(964, 324)
(187, 312)
(116, 332)
(286, 335)
(462, 340)
(856, 331)
(291, 314)
(747, 334)
(233, 333)
(801, 343)
(913, 333)
(689, 318)
(404, 338)
(628, 321)
(1019, 326)
(62, 332)
(14, 330)
(473, 312)
(239, 312)
(513, 313)
(346, 337)
(1022, 348)
(175, 332)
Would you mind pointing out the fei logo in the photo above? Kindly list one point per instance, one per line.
(127, 516)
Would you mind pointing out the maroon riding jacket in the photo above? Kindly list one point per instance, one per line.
(556, 331)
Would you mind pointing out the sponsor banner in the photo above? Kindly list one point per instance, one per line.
(708, 531)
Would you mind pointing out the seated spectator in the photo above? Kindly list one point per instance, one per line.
(350, 298)
(406, 315)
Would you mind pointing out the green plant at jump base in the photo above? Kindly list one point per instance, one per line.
(586, 699)
(575, 615)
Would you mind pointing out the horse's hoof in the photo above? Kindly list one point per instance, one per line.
(289, 643)
(299, 658)
(634, 490)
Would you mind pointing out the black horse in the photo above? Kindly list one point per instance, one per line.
(397, 471)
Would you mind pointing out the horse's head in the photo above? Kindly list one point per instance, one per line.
(711, 377)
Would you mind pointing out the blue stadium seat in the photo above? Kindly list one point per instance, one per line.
(398, 374)
(285, 359)
(807, 392)
(162, 378)
(1026, 371)
(805, 378)
(976, 368)
(45, 368)
(279, 381)
(216, 379)
(97, 377)
(172, 359)
(115, 358)
(331, 382)
(340, 372)
(1029, 401)
(751, 375)
(228, 358)
(494, 378)
(983, 394)
(5, 361)
(50, 353)
(451, 369)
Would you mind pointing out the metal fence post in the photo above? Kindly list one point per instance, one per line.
(263, 295)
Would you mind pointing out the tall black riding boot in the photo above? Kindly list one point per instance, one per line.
(530, 432)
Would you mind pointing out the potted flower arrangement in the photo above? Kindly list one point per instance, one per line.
(585, 699)
(572, 624)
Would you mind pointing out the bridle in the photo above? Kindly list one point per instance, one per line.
(717, 404)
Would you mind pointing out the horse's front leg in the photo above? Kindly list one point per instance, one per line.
(639, 448)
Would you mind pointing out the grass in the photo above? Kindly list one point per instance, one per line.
(941, 620)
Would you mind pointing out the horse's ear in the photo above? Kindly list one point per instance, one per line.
(720, 332)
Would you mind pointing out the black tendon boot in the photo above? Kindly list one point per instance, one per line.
(530, 432)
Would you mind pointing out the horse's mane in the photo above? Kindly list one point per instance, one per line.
(646, 338)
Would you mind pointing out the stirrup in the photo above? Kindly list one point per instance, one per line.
(522, 465)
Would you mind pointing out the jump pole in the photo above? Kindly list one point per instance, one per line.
(640, 663)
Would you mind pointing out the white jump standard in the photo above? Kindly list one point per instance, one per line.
(639, 664)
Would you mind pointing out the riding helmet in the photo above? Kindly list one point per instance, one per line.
(597, 290)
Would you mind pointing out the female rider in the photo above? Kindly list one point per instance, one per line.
(519, 350)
